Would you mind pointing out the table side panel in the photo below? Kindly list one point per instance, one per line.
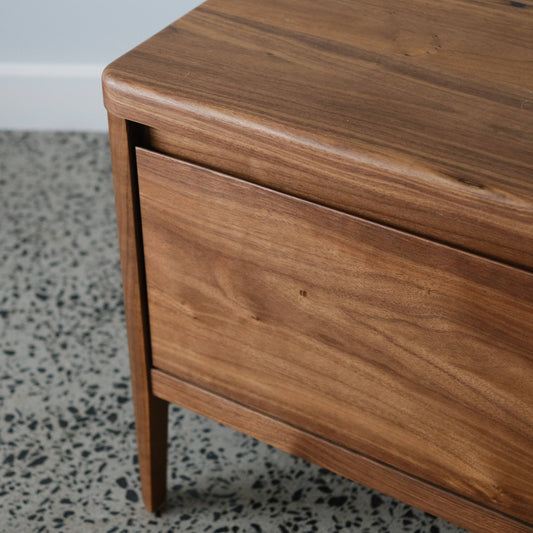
(408, 351)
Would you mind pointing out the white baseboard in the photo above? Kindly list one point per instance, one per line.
(51, 97)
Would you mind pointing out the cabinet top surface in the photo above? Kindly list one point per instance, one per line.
(440, 91)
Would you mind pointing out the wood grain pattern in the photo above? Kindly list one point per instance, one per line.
(410, 352)
(345, 462)
(150, 412)
(416, 114)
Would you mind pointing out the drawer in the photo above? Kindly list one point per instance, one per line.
(408, 351)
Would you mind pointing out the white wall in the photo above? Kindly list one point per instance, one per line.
(52, 54)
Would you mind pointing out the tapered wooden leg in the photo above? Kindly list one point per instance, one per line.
(151, 424)
(150, 412)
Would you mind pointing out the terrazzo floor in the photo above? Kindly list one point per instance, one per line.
(67, 444)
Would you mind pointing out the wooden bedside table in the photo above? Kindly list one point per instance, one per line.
(325, 212)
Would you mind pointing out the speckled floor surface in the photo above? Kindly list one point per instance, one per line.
(67, 443)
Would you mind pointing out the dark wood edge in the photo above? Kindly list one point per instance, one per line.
(338, 459)
(150, 411)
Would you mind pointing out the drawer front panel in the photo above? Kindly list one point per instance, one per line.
(414, 353)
